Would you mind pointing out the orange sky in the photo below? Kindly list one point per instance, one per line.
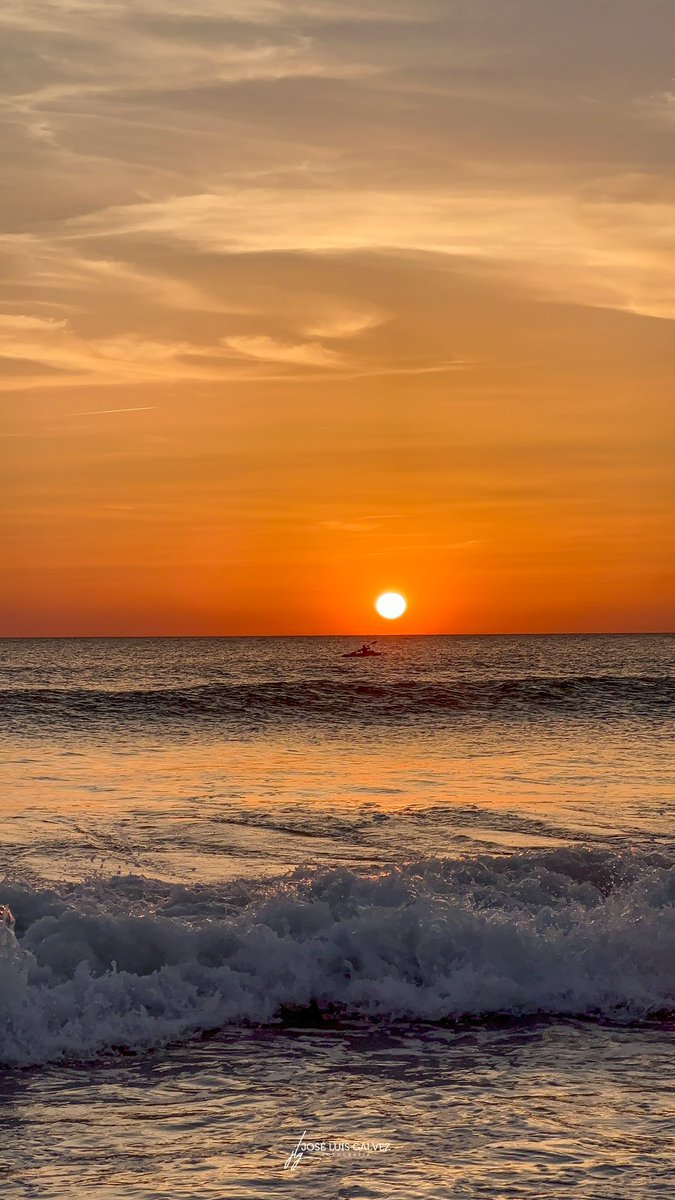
(304, 302)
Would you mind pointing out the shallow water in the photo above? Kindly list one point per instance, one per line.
(533, 1109)
(424, 900)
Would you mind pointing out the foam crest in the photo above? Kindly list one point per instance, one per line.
(138, 963)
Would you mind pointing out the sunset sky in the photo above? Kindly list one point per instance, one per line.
(306, 301)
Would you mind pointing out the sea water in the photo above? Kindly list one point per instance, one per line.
(277, 919)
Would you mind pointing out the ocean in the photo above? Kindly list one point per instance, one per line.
(282, 922)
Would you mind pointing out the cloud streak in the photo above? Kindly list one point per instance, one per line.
(103, 412)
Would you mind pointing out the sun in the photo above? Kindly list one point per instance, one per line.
(391, 605)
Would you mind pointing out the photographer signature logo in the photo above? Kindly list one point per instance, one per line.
(346, 1149)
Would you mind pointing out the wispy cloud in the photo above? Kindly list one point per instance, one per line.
(102, 412)
(166, 164)
(359, 525)
(309, 354)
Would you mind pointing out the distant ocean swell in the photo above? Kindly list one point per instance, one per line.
(648, 696)
(133, 963)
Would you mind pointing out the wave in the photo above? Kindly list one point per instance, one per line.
(346, 700)
(135, 963)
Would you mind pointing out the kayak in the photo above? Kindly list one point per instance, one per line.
(364, 654)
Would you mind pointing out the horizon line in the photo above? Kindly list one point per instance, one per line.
(127, 637)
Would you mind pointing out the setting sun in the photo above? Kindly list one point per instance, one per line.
(391, 605)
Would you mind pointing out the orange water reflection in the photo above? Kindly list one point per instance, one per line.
(222, 807)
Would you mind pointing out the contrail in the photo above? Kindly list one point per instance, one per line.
(101, 412)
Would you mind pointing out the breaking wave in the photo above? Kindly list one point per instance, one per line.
(130, 962)
(345, 701)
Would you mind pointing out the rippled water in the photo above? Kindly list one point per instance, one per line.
(536, 1110)
(243, 685)
(425, 900)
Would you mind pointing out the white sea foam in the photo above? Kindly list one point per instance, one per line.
(130, 962)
